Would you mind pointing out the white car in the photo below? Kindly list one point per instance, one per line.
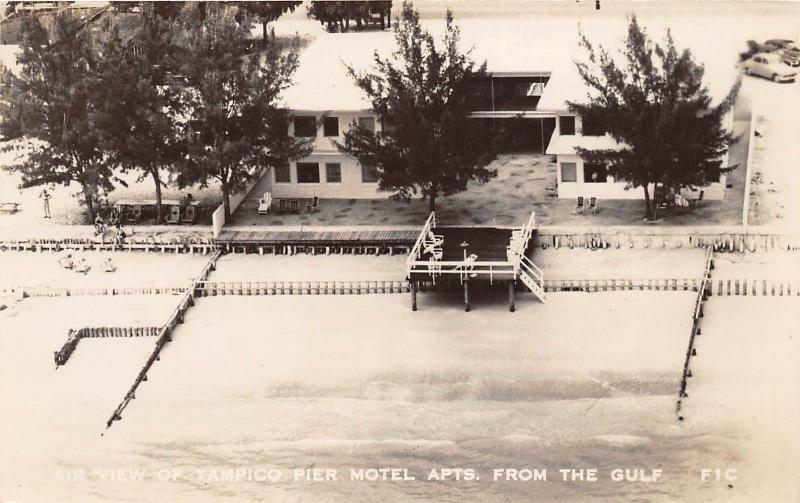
(769, 66)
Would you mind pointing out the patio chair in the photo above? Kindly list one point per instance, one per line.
(265, 203)
(313, 205)
(434, 251)
(433, 239)
(593, 207)
(694, 201)
(294, 206)
(189, 214)
(579, 207)
(283, 206)
(174, 215)
(134, 215)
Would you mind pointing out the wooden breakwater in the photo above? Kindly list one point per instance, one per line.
(165, 335)
(26, 292)
(697, 314)
(713, 287)
(214, 288)
(74, 336)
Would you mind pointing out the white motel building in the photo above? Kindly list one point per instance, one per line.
(531, 78)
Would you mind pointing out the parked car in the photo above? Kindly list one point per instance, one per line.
(776, 44)
(791, 57)
(769, 66)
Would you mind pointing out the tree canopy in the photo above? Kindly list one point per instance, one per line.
(52, 105)
(140, 123)
(655, 104)
(336, 15)
(428, 143)
(266, 12)
(235, 126)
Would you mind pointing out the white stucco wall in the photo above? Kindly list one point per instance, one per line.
(612, 189)
(325, 151)
(351, 186)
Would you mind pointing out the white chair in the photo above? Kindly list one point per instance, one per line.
(435, 251)
(265, 203)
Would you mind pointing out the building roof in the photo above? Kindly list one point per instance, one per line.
(566, 144)
(509, 46)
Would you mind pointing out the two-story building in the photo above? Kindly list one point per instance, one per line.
(578, 177)
(531, 79)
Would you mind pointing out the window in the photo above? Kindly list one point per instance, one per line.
(566, 124)
(333, 172)
(331, 126)
(307, 172)
(282, 174)
(305, 127)
(569, 172)
(368, 173)
(367, 123)
(592, 127)
(594, 172)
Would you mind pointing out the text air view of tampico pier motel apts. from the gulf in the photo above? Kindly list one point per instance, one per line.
(389, 251)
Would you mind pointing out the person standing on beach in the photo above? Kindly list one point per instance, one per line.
(45, 197)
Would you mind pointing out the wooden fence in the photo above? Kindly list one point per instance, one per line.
(147, 244)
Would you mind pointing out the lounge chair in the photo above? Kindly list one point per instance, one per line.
(189, 215)
(66, 261)
(82, 266)
(108, 265)
(174, 215)
(9, 207)
(294, 206)
(579, 207)
(593, 205)
(313, 205)
(283, 206)
(265, 203)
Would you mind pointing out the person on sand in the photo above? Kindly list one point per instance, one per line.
(44, 195)
(187, 201)
(119, 237)
(99, 226)
(115, 220)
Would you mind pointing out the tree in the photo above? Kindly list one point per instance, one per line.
(336, 15)
(236, 128)
(266, 12)
(51, 104)
(150, 136)
(167, 9)
(657, 108)
(428, 144)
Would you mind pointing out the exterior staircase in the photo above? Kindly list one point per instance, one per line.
(532, 277)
